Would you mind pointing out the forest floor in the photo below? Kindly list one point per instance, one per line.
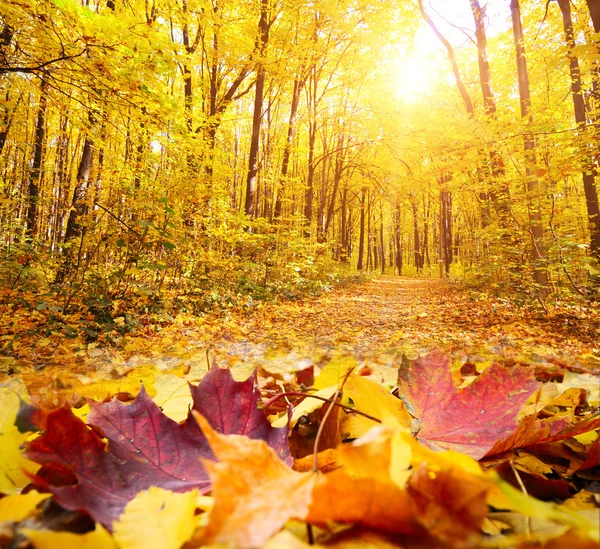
(374, 323)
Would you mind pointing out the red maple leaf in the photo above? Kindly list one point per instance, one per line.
(472, 420)
(532, 430)
(144, 447)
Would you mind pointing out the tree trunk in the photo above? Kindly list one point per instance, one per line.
(589, 185)
(417, 239)
(287, 151)
(344, 226)
(60, 175)
(446, 229)
(398, 237)
(381, 240)
(369, 236)
(426, 209)
(250, 206)
(500, 193)
(79, 205)
(325, 168)
(337, 177)
(594, 7)
(361, 234)
(535, 214)
(188, 92)
(312, 138)
(36, 167)
(452, 57)
(7, 119)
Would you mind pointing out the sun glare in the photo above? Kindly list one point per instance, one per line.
(413, 70)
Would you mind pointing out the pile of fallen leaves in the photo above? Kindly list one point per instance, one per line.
(448, 456)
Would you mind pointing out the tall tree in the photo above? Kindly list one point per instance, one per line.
(589, 184)
(36, 165)
(535, 212)
(594, 7)
(250, 207)
(500, 192)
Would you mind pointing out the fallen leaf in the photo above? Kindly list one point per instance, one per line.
(173, 396)
(15, 508)
(13, 464)
(373, 399)
(471, 420)
(451, 504)
(537, 431)
(232, 407)
(145, 448)
(504, 496)
(588, 382)
(335, 371)
(382, 454)
(340, 497)
(156, 518)
(593, 456)
(255, 492)
(50, 539)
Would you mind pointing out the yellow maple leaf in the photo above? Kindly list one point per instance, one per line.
(335, 371)
(19, 506)
(13, 464)
(381, 454)
(51, 539)
(173, 396)
(373, 399)
(156, 518)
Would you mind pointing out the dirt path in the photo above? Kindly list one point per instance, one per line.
(380, 319)
(374, 323)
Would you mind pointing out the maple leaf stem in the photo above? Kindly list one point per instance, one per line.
(274, 399)
(309, 534)
(332, 401)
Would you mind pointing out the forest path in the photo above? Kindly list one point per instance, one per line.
(373, 323)
(377, 320)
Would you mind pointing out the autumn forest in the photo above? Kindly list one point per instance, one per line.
(346, 252)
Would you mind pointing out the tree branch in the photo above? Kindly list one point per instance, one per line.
(28, 70)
